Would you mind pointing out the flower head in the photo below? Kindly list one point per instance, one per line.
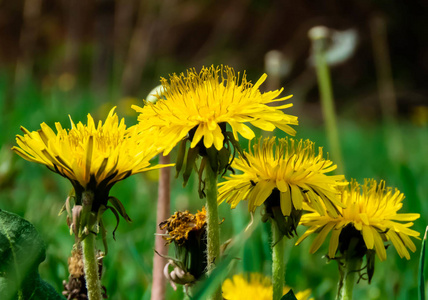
(289, 171)
(199, 103)
(93, 156)
(180, 224)
(253, 286)
(188, 234)
(370, 218)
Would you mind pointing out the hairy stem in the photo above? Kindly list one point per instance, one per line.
(213, 228)
(278, 267)
(92, 278)
(347, 279)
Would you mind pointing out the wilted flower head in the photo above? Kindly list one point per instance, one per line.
(188, 234)
(92, 156)
(254, 286)
(181, 224)
(283, 175)
(370, 218)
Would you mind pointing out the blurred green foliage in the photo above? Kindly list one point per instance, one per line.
(396, 153)
(21, 252)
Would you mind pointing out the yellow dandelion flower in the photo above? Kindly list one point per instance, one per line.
(90, 156)
(254, 286)
(201, 104)
(93, 157)
(285, 174)
(371, 216)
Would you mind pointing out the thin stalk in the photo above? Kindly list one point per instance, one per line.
(186, 293)
(388, 100)
(159, 280)
(319, 36)
(347, 279)
(213, 228)
(386, 90)
(421, 277)
(278, 267)
(92, 278)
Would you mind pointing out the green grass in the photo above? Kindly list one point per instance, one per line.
(369, 150)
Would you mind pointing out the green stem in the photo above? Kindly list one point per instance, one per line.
(92, 278)
(319, 36)
(213, 228)
(348, 274)
(187, 293)
(278, 266)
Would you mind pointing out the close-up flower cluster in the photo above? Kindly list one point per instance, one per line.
(289, 181)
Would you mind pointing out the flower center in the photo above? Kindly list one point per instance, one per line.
(206, 113)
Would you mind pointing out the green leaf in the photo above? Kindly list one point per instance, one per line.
(421, 281)
(289, 296)
(21, 252)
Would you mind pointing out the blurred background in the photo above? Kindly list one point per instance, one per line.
(79, 57)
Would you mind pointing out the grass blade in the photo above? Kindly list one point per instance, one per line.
(421, 268)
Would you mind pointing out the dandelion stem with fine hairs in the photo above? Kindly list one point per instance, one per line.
(278, 267)
(348, 270)
(347, 279)
(213, 230)
(92, 278)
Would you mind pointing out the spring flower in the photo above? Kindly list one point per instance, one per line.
(253, 286)
(188, 234)
(197, 108)
(369, 220)
(93, 157)
(209, 110)
(202, 102)
(283, 176)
